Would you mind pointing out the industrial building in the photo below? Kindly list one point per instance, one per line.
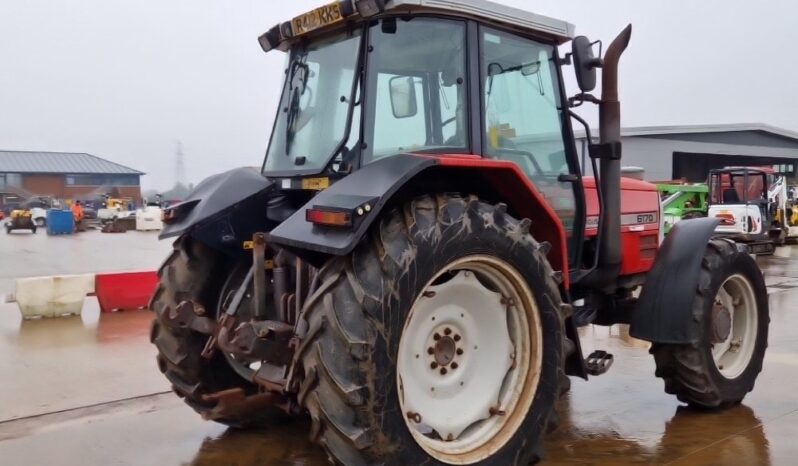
(66, 175)
(689, 152)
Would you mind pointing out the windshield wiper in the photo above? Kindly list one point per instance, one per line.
(297, 84)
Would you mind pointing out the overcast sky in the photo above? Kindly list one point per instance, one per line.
(127, 79)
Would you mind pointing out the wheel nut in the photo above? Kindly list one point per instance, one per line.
(433, 365)
(459, 351)
(454, 365)
(447, 331)
(457, 338)
(430, 350)
(443, 371)
(436, 337)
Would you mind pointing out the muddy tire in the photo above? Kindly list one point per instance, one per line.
(360, 319)
(721, 367)
(195, 272)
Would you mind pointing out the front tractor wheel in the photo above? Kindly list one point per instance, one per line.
(439, 340)
(730, 317)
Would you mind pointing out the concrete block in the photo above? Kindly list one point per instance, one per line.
(53, 296)
(149, 219)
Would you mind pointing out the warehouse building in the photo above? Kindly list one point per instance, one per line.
(689, 152)
(66, 175)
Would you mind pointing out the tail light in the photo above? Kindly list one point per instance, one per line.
(330, 218)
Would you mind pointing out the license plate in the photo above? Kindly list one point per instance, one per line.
(320, 17)
(316, 184)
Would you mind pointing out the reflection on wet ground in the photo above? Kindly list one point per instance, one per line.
(86, 391)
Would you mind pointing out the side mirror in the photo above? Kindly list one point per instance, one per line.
(585, 63)
(494, 69)
(403, 96)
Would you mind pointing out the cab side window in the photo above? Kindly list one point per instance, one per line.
(523, 120)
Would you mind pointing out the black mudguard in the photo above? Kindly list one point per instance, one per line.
(213, 197)
(374, 184)
(664, 310)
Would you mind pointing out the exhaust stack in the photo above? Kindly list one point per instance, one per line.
(609, 262)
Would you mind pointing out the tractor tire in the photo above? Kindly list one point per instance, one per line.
(359, 319)
(700, 374)
(196, 272)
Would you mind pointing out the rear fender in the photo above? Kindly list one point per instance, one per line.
(222, 210)
(405, 176)
(664, 310)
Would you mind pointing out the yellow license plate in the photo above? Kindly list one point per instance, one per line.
(320, 17)
(316, 184)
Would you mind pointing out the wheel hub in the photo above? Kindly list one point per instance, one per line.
(721, 323)
(444, 350)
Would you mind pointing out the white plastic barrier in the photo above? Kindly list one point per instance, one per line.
(53, 296)
(149, 218)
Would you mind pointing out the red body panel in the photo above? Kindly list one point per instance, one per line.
(512, 184)
(640, 212)
(640, 222)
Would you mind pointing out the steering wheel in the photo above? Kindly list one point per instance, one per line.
(523, 159)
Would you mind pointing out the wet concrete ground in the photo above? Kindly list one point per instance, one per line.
(87, 391)
(23, 254)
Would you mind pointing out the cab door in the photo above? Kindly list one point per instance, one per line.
(524, 121)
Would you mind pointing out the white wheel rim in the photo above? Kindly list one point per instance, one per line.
(734, 353)
(465, 393)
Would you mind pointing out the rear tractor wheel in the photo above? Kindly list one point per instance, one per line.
(439, 340)
(195, 273)
(730, 318)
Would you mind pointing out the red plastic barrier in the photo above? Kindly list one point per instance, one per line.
(121, 291)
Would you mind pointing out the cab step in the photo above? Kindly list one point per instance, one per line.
(598, 362)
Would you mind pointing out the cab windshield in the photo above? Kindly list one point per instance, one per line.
(414, 88)
(311, 122)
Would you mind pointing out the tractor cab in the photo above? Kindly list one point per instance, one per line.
(425, 80)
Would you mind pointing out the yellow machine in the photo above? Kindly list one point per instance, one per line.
(20, 219)
(121, 204)
(115, 208)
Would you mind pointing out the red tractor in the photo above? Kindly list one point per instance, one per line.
(412, 263)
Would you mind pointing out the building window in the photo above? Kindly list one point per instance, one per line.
(101, 180)
(8, 180)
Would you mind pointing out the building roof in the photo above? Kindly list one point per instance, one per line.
(719, 128)
(643, 131)
(59, 162)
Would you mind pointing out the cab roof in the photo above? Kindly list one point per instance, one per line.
(343, 13)
(485, 10)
